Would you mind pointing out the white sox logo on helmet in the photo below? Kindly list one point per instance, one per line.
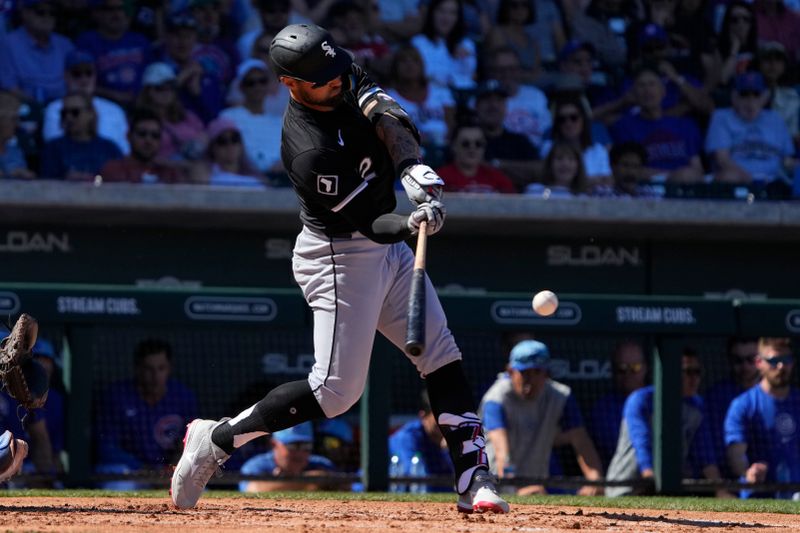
(329, 51)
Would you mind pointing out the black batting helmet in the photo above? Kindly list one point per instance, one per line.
(308, 53)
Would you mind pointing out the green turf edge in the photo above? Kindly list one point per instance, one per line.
(650, 502)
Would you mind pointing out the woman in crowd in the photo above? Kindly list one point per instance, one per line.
(80, 153)
(564, 175)
(450, 57)
(227, 163)
(261, 131)
(737, 42)
(533, 29)
(183, 136)
(431, 107)
(572, 125)
(773, 64)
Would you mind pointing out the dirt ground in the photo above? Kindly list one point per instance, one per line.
(248, 515)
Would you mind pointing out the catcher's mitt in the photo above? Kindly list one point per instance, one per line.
(23, 378)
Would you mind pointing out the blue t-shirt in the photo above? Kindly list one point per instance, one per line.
(119, 63)
(603, 424)
(131, 432)
(769, 427)
(670, 142)
(759, 146)
(638, 414)
(52, 412)
(411, 439)
(264, 464)
(62, 155)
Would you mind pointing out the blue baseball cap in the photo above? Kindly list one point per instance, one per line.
(300, 433)
(750, 82)
(336, 428)
(529, 354)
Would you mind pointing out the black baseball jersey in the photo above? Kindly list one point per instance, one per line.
(339, 167)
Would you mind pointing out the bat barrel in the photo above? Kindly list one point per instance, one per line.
(415, 332)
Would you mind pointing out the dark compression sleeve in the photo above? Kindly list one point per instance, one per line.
(389, 228)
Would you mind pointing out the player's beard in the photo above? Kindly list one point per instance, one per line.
(780, 380)
(324, 101)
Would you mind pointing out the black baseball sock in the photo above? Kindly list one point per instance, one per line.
(283, 407)
(453, 407)
(449, 391)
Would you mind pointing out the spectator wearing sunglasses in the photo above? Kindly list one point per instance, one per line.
(183, 135)
(573, 124)
(748, 143)
(761, 427)
(32, 61)
(741, 354)
(81, 76)
(633, 458)
(261, 131)
(143, 165)
(290, 457)
(80, 153)
(120, 55)
(468, 171)
(629, 372)
(227, 163)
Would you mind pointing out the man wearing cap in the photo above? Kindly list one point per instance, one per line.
(261, 131)
(526, 106)
(200, 86)
(120, 54)
(749, 144)
(525, 413)
(81, 76)
(32, 61)
(290, 457)
(344, 143)
(511, 153)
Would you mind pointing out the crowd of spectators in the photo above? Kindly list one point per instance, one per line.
(551, 98)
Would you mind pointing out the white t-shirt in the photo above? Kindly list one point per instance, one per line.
(112, 124)
(595, 159)
(443, 69)
(261, 135)
(429, 115)
(527, 113)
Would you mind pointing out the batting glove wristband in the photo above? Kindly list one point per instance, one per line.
(421, 183)
(432, 212)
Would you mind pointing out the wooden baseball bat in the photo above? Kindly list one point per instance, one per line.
(415, 329)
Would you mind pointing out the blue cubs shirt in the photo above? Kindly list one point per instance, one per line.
(769, 428)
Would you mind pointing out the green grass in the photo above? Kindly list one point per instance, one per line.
(650, 502)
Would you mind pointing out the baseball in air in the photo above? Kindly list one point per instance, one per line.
(545, 303)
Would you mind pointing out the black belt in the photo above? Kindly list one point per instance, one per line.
(342, 235)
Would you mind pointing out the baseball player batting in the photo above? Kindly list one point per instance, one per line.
(344, 142)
